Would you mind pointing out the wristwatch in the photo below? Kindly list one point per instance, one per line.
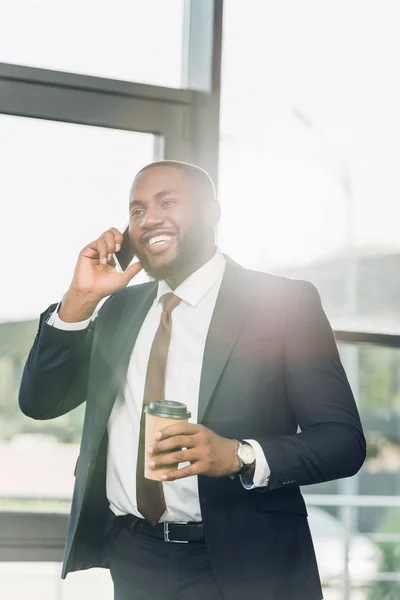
(246, 456)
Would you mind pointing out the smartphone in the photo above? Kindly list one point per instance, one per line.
(124, 256)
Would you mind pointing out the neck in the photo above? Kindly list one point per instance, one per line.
(183, 273)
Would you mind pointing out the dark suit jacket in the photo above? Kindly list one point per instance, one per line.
(270, 364)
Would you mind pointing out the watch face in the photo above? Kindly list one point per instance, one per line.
(247, 454)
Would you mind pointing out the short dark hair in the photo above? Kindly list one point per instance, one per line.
(192, 170)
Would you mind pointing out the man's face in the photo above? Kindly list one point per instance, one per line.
(170, 222)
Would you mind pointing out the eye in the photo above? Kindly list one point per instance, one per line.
(137, 213)
(168, 203)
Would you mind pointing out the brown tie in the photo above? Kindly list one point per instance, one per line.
(149, 494)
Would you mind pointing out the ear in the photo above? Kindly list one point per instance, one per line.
(214, 213)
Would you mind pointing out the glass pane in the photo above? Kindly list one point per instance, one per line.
(42, 580)
(308, 170)
(374, 525)
(62, 185)
(125, 39)
(328, 535)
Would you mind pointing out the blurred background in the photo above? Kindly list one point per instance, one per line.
(293, 108)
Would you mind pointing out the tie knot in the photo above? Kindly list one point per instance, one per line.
(169, 302)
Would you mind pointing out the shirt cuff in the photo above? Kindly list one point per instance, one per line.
(261, 471)
(55, 321)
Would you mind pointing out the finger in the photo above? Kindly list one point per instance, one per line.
(184, 428)
(90, 251)
(172, 458)
(173, 443)
(119, 238)
(131, 271)
(100, 247)
(109, 238)
(181, 473)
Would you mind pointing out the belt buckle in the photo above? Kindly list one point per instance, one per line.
(166, 533)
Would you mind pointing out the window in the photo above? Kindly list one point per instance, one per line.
(308, 152)
(20, 580)
(309, 189)
(126, 39)
(68, 156)
(64, 184)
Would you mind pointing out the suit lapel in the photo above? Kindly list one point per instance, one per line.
(231, 308)
(130, 322)
(115, 357)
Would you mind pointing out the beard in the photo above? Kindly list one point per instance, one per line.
(189, 248)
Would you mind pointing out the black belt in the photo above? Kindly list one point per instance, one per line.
(178, 532)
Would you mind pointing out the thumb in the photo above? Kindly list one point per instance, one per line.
(131, 271)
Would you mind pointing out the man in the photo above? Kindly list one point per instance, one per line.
(252, 356)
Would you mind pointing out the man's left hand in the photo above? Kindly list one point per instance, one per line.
(208, 453)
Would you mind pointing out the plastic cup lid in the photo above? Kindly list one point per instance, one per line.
(168, 409)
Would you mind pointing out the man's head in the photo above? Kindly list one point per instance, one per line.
(173, 212)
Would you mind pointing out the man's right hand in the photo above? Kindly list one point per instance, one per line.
(95, 277)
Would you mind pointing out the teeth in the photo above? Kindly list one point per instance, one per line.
(158, 239)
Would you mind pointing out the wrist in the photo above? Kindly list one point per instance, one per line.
(246, 457)
(76, 306)
(235, 465)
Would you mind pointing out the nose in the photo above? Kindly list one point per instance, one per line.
(152, 218)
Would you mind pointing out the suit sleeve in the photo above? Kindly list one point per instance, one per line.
(331, 444)
(54, 379)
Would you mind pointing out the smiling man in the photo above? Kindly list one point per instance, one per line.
(173, 212)
(253, 358)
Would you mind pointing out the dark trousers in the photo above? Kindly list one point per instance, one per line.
(145, 568)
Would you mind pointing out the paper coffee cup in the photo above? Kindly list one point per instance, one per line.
(160, 414)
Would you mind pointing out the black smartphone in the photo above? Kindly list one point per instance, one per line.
(124, 256)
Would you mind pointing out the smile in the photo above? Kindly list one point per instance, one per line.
(159, 243)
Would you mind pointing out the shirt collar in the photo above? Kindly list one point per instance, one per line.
(196, 286)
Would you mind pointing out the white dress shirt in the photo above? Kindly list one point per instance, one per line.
(190, 323)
